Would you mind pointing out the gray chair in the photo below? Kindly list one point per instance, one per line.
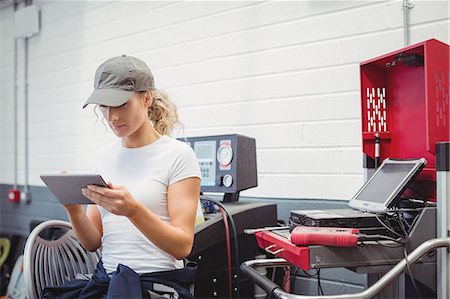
(54, 260)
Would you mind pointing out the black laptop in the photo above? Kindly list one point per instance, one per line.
(380, 193)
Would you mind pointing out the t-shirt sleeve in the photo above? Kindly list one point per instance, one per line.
(185, 165)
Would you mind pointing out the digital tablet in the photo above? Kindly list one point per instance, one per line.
(67, 187)
(386, 185)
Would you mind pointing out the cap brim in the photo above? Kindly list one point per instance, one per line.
(108, 97)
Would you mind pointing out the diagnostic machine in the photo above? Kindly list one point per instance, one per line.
(228, 166)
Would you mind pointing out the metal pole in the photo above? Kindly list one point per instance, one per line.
(16, 124)
(406, 6)
(443, 215)
(276, 291)
(26, 119)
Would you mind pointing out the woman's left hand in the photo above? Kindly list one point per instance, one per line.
(115, 199)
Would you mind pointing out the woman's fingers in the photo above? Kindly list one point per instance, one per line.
(88, 194)
(103, 191)
(95, 196)
(116, 200)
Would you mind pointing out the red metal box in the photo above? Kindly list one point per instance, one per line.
(405, 100)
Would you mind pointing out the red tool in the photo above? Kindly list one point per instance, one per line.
(327, 236)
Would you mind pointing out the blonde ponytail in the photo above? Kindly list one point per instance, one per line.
(163, 113)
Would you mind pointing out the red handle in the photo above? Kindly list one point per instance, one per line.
(326, 237)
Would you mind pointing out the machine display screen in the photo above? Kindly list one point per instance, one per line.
(386, 185)
(206, 156)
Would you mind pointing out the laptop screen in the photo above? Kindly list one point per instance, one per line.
(386, 185)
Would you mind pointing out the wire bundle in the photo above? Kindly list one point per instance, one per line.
(227, 217)
(405, 226)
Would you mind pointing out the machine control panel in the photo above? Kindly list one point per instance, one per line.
(227, 162)
(205, 152)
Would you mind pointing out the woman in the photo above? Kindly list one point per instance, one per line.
(144, 221)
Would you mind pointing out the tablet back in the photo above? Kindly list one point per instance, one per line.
(67, 187)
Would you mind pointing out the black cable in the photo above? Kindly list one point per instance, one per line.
(399, 243)
(319, 285)
(405, 253)
(361, 243)
(388, 228)
(418, 210)
(402, 240)
(380, 237)
(402, 226)
(310, 275)
(410, 224)
(402, 223)
(405, 222)
(317, 274)
(400, 219)
(388, 246)
(235, 237)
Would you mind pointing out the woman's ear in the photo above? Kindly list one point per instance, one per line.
(148, 98)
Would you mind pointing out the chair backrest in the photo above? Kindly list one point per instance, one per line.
(54, 261)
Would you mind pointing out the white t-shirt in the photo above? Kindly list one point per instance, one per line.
(146, 172)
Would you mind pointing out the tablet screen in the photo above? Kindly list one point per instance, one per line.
(385, 182)
(386, 185)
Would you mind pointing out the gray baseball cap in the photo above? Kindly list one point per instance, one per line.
(117, 79)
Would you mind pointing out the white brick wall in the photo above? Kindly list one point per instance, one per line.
(286, 73)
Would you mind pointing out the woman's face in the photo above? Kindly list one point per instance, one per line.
(128, 118)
